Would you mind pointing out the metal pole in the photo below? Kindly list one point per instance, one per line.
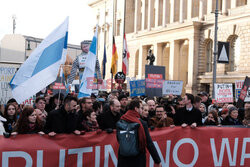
(124, 20)
(113, 30)
(97, 29)
(215, 47)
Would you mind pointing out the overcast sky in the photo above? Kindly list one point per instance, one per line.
(38, 18)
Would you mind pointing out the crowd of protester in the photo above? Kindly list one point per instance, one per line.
(58, 114)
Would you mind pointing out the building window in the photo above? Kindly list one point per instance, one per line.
(234, 53)
(209, 55)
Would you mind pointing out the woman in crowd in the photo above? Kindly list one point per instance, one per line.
(89, 123)
(203, 110)
(28, 123)
(10, 114)
(223, 114)
(232, 118)
(144, 112)
(212, 118)
(246, 120)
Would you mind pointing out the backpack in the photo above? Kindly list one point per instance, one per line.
(127, 136)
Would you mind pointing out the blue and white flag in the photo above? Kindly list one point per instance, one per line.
(89, 70)
(42, 66)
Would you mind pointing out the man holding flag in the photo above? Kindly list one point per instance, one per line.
(42, 66)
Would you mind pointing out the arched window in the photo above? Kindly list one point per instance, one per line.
(234, 53)
(209, 55)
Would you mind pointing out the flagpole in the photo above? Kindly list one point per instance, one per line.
(60, 85)
(215, 48)
(97, 54)
(124, 17)
(123, 48)
(113, 29)
(105, 24)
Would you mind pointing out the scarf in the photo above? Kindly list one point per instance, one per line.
(133, 116)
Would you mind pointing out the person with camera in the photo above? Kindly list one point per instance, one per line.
(161, 119)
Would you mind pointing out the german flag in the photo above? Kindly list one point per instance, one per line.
(114, 58)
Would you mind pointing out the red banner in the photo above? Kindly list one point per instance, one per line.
(204, 146)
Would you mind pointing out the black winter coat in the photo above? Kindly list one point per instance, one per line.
(61, 121)
(184, 116)
(107, 120)
(230, 121)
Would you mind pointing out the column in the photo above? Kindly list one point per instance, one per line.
(190, 65)
(181, 12)
(142, 61)
(156, 13)
(158, 54)
(171, 11)
(233, 4)
(173, 60)
(143, 14)
(164, 14)
(189, 9)
(224, 6)
(209, 6)
(201, 13)
(191, 86)
(136, 16)
(149, 13)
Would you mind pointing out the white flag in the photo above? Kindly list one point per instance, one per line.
(42, 66)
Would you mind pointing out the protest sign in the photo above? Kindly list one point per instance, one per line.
(154, 78)
(223, 93)
(243, 93)
(6, 74)
(172, 87)
(238, 87)
(137, 88)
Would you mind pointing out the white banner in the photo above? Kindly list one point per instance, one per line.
(224, 93)
(172, 87)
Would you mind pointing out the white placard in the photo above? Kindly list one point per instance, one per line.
(172, 87)
(224, 93)
(6, 74)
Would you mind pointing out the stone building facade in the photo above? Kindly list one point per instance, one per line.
(181, 35)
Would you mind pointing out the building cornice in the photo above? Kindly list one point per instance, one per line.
(93, 2)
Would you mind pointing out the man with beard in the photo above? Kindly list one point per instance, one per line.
(64, 119)
(123, 100)
(85, 105)
(151, 107)
(108, 119)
